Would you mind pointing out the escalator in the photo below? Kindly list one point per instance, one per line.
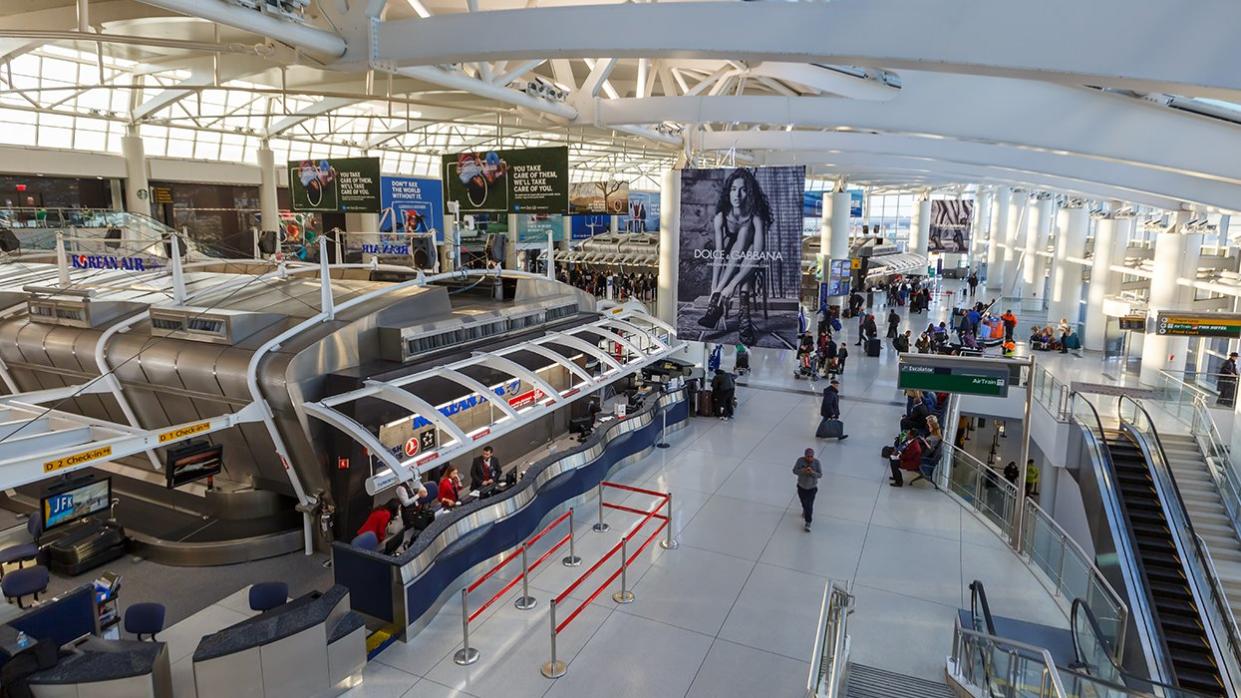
(1187, 645)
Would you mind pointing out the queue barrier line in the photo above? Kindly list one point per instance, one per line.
(468, 655)
(554, 668)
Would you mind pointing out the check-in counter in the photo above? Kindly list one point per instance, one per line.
(312, 646)
(404, 591)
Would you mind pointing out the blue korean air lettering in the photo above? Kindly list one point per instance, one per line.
(384, 248)
(107, 261)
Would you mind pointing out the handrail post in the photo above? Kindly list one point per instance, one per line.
(466, 655)
(601, 526)
(624, 595)
(554, 668)
(1060, 566)
(669, 543)
(525, 602)
(663, 443)
(571, 560)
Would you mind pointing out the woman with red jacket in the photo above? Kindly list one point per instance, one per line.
(907, 457)
(450, 486)
(379, 519)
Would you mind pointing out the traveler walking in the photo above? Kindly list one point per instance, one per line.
(808, 471)
(831, 427)
(894, 323)
(973, 282)
(1228, 382)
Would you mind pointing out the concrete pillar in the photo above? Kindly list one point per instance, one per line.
(136, 179)
(563, 242)
(269, 210)
(1109, 243)
(1066, 276)
(1034, 270)
(920, 228)
(982, 228)
(510, 250)
(1176, 257)
(613, 224)
(669, 246)
(998, 231)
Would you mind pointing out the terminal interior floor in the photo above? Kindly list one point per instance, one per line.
(732, 612)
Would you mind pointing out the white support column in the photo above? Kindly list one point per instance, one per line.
(838, 244)
(1015, 242)
(998, 233)
(564, 243)
(135, 173)
(269, 209)
(920, 228)
(1176, 257)
(1066, 276)
(510, 250)
(1038, 233)
(982, 228)
(669, 246)
(1103, 281)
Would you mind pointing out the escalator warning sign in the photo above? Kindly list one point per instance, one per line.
(77, 459)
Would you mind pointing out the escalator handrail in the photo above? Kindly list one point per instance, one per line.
(1080, 605)
(979, 594)
(1150, 636)
(1204, 561)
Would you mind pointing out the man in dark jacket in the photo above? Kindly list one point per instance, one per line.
(894, 324)
(830, 407)
(723, 389)
(1227, 381)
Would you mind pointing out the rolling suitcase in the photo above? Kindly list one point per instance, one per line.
(830, 429)
(873, 346)
(706, 404)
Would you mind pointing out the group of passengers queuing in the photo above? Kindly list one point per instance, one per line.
(915, 291)
(918, 446)
(1061, 338)
(399, 520)
(822, 356)
(625, 285)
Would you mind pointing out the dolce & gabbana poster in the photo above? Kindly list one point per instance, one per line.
(740, 255)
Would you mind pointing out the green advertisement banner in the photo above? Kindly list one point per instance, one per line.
(534, 180)
(339, 185)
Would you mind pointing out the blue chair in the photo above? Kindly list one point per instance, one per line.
(28, 581)
(366, 541)
(433, 493)
(144, 619)
(265, 596)
(24, 552)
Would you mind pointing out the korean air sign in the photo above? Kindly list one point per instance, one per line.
(107, 261)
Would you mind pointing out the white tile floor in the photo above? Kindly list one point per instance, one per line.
(733, 611)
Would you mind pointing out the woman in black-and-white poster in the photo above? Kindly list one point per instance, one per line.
(740, 255)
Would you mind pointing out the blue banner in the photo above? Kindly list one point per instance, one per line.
(586, 227)
(411, 205)
(812, 204)
(535, 227)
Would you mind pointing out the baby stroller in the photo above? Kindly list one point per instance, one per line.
(807, 366)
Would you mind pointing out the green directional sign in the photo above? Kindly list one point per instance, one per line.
(959, 379)
(1186, 324)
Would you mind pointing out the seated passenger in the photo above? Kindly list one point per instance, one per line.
(907, 456)
(450, 487)
(379, 518)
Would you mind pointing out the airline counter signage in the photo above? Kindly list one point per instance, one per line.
(1180, 324)
(107, 261)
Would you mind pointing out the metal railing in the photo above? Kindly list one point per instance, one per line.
(1004, 668)
(1218, 458)
(1199, 567)
(830, 657)
(1052, 394)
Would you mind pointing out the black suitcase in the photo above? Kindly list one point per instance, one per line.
(873, 346)
(830, 429)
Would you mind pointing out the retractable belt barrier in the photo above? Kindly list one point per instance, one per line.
(554, 668)
(468, 655)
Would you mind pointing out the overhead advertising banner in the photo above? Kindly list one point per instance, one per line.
(533, 228)
(534, 180)
(740, 255)
(411, 205)
(339, 185)
(586, 227)
(599, 197)
(643, 215)
(950, 225)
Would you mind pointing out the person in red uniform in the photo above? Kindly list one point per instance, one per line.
(450, 486)
(379, 519)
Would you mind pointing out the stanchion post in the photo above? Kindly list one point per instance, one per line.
(669, 543)
(624, 595)
(572, 560)
(663, 442)
(466, 655)
(525, 602)
(601, 526)
(555, 668)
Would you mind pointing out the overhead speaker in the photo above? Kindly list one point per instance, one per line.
(112, 238)
(267, 242)
(423, 249)
(9, 241)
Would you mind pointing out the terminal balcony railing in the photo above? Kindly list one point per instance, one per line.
(830, 658)
(1051, 393)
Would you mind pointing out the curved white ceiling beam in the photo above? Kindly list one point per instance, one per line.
(822, 145)
(824, 79)
(1101, 42)
(992, 110)
(915, 170)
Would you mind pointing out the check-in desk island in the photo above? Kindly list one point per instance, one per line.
(311, 646)
(404, 591)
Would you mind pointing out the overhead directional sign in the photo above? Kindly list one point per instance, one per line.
(939, 374)
(1183, 324)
